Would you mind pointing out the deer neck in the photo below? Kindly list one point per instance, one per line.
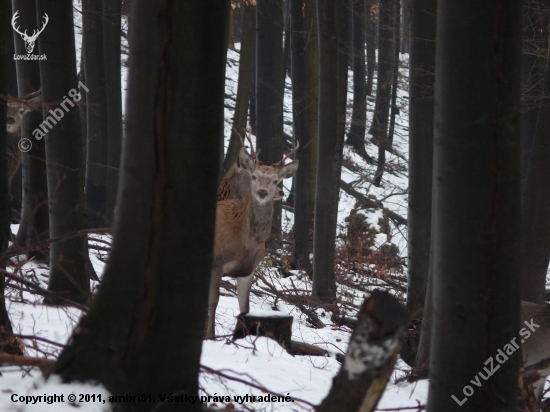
(259, 217)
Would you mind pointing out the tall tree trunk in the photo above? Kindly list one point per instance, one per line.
(343, 24)
(270, 89)
(533, 65)
(476, 205)
(370, 28)
(286, 44)
(395, 80)
(535, 211)
(330, 155)
(5, 38)
(406, 37)
(96, 112)
(34, 215)
(302, 219)
(172, 140)
(356, 136)
(69, 262)
(244, 83)
(421, 135)
(379, 128)
(113, 94)
(312, 98)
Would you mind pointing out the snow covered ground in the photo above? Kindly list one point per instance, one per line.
(246, 366)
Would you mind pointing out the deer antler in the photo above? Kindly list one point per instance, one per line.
(252, 152)
(36, 33)
(13, 19)
(282, 161)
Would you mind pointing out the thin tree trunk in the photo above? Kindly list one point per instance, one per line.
(395, 83)
(312, 99)
(69, 262)
(170, 156)
(476, 191)
(96, 112)
(406, 37)
(111, 53)
(301, 249)
(5, 37)
(356, 136)
(379, 129)
(286, 44)
(535, 212)
(421, 135)
(34, 217)
(330, 155)
(270, 89)
(244, 83)
(371, 45)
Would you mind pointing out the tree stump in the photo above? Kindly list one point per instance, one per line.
(370, 357)
(270, 324)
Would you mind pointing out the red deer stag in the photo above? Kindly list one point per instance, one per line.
(242, 227)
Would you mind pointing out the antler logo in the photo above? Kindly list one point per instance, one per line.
(29, 40)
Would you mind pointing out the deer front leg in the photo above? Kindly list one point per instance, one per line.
(243, 292)
(213, 298)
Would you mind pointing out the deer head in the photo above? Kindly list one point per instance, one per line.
(29, 40)
(18, 108)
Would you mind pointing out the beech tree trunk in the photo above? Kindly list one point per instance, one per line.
(270, 89)
(113, 97)
(34, 225)
(96, 112)
(535, 211)
(421, 135)
(476, 206)
(244, 83)
(5, 37)
(379, 128)
(302, 219)
(370, 28)
(330, 155)
(69, 262)
(172, 141)
(356, 136)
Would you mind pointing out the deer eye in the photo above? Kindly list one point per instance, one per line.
(275, 182)
(21, 111)
(253, 177)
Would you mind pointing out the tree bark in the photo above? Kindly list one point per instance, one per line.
(476, 205)
(312, 99)
(270, 89)
(244, 83)
(330, 155)
(34, 214)
(302, 218)
(406, 37)
(370, 28)
(113, 97)
(172, 140)
(356, 136)
(5, 37)
(379, 128)
(96, 112)
(421, 132)
(395, 79)
(535, 211)
(69, 263)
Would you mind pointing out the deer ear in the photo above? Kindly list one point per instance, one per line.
(245, 161)
(288, 170)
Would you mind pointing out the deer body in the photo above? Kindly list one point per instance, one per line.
(242, 227)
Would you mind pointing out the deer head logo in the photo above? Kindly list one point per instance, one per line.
(29, 40)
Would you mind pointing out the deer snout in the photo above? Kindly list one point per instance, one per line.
(262, 193)
(10, 120)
